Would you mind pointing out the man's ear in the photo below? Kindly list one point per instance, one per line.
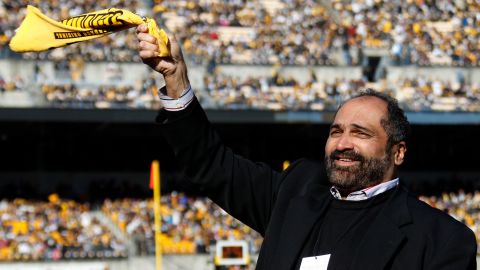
(400, 150)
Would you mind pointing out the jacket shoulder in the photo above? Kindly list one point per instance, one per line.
(434, 221)
(445, 239)
(423, 211)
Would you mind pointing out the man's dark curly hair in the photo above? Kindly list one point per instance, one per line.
(396, 125)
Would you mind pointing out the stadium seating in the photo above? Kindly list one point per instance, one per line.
(266, 31)
(55, 230)
(262, 32)
(189, 225)
(60, 229)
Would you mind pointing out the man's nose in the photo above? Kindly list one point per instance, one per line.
(344, 143)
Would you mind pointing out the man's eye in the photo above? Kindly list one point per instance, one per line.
(363, 135)
(334, 132)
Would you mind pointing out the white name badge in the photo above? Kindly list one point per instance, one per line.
(315, 263)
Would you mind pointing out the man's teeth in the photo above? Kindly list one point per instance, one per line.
(346, 159)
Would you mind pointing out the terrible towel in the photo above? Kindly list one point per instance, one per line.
(39, 32)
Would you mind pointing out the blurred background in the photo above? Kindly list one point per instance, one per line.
(77, 131)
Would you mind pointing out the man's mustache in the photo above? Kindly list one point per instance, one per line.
(346, 154)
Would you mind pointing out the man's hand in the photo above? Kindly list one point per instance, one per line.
(172, 68)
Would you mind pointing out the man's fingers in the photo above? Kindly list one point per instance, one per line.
(148, 54)
(147, 38)
(147, 46)
(142, 28)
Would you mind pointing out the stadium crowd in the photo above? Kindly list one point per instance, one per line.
(290, 32)
(276, 92)
(279, 92)
(268, 32)
(189, 225)
(54, 230)
(11, 85)
(60, 229)
(311, 32)
(101, 97)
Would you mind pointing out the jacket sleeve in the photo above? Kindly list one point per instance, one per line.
(246, 190)
(458, 252)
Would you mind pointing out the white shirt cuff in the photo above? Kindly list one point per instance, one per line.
(179, 104)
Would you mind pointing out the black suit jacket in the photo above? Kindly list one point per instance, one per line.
(283, 206)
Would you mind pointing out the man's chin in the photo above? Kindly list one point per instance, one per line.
(344, 175)
(343, 180)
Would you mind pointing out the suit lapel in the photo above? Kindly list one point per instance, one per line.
(384, 236)
(301, 215)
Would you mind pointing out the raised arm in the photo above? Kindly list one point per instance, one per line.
(245, 189)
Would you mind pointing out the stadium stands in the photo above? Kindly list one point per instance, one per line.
(62, 229)
(189, 225)
(54, 230)
(108, 96)
(286, 32)
(306, 32)
(275, 92)
(277, 33)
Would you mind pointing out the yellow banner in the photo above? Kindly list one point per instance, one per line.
(39, 32)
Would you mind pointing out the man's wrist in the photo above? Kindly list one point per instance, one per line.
(177, 83)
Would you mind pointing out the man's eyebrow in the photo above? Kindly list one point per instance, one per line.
(357, 126)
(335, 125)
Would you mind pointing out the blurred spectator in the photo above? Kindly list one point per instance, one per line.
(17, 83)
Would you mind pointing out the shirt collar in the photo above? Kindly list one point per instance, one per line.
(365, 193)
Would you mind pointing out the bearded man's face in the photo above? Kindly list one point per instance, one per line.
(357, 154)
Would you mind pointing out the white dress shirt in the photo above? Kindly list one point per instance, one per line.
(365, 193)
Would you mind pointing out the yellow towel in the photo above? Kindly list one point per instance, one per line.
(39, 32)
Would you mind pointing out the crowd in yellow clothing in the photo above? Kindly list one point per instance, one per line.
(189, 225)
(54, 230)
(293, 32)
(60, 229)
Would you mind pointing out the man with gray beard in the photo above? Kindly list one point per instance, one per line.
(361, 217)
